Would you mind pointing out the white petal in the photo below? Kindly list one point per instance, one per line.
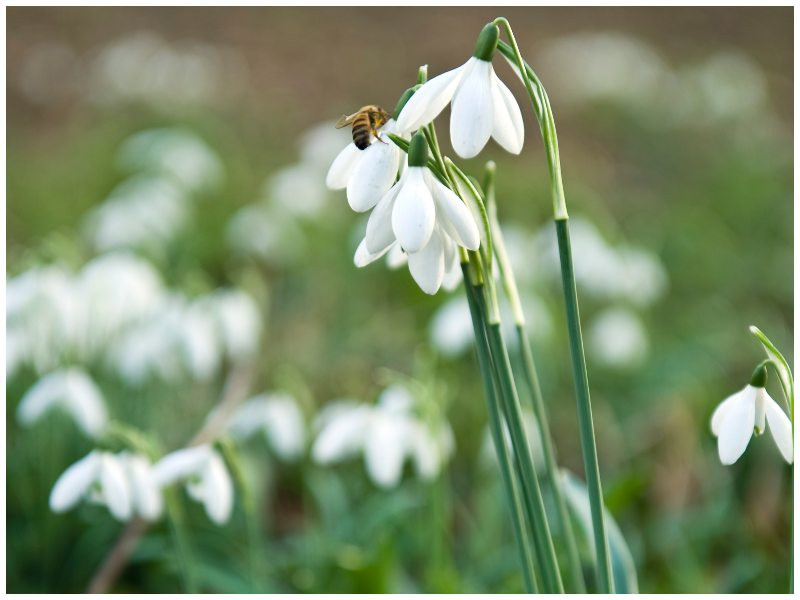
(147, 498)
(736, 427)
(363, 257)
(414, 213)
(429, 100)
(455, 212)
(218, 499)
(285, 426)
(427, 265)
(379, 225)
(508, 129)
(114, 486)
(779, 426)
(342, 167)
(342, 436)
(397, 257)
(385, 450)
(720, 411)
(181, 463)
(74, 482)
(85, 403)
(373, 176)
(472, 114)
(452, 266)
(425, 451)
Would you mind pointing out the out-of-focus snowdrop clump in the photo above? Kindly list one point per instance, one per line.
(387, 434)
(272, 227)
(117, 310)
(71, 390)
(277, 417)
(617, 338)
(143, 66)
(626, 70)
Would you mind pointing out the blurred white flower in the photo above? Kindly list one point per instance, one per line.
(297, 189)
(73, 391)
(387, 433)
(142, 212)
(617, 338)
(99, 477)
(175, 153)
(277, 417)
(146, 498)
(143, 66)
(239, 322)
(746, 412)
(320, 144)
(367, 174)
(203, 472)
(482, 107)
(268, 232)
(451, 329)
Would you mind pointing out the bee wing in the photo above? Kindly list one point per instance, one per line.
(345, 120)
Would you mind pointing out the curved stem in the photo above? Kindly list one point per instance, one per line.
(544, 114)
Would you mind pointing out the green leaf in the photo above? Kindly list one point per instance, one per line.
(784, 372)
(622, 565)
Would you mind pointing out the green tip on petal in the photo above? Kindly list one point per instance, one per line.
(418, 151)
(759, 377)
(403, 99)
(487, 42)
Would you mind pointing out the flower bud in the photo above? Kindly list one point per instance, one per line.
(487, 42)
(418, 151)
(403, 99)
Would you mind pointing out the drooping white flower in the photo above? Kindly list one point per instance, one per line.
(387, 434)
(71, 390)
(99, 477)
(146, 497)
(367, 174)
(275, 415)
(482, 105)
(746, 412)
(425, 218)
(207, 481)
(617, 338)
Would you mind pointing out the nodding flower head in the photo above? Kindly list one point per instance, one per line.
(482, 105)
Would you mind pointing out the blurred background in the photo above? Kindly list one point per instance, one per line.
(169, 227)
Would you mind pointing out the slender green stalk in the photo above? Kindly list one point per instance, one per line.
(532, 381)
(532, 493)
(544, 114)
(510, 483)
(585, 422)
(178, 529)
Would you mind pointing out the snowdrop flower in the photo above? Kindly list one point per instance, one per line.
(425, 217)
(747, 412)
(146, 497)
(99, 477)
(205, 476)
(617, 338)
(368, 174)
(239, 322)
(278, 417)
(386, 433)
(482, 105)
(71, 390)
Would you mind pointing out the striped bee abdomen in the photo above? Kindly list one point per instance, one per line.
(361, 131)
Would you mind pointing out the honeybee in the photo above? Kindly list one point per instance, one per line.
(365, 123)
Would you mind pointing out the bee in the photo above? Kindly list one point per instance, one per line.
(365, 123)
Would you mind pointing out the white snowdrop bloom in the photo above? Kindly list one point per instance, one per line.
(367, 174)
(177, 153)
(205, 476)
(199, 341)
(387, 434)
(617, 338)
(746, 412)
(297, 189)
(99, 477)
(141, 212)
(73, 391)
(277, 417)
(482, 105)
(146, 497)
(239, 322)
(425, 217)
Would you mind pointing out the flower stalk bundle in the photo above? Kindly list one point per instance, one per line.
(436, 213)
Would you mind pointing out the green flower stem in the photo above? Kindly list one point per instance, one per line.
(510, 482)
(532, 381)
(585, 422)
(177, 526)
(544, 114)
(530, 484)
